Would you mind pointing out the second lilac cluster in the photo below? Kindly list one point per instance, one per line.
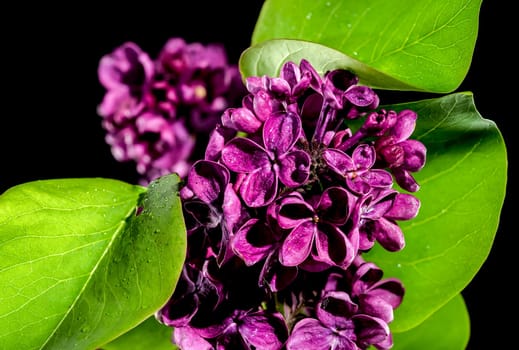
(296, 184)
(159, 112)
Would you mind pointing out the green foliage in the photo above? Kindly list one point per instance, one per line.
(81, 264)
(149, 335)
(267, 58)
(425, 44)
(448, 328)
(462, 193)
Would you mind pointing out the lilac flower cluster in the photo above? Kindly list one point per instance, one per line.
(159, 113)
(279, 212)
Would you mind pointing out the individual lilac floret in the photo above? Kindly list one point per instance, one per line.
(159, 113)
(278, 159)
(378, 213)
(358, 169)
(315, 228)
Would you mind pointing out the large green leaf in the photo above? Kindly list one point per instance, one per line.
(149, 335)
(426, 44)
(448, 328)
(85, 260)
(462, 192)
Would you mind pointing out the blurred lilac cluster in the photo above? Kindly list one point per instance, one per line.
(295, 185)
(159, 112)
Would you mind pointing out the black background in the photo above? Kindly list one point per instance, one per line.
(49, 126)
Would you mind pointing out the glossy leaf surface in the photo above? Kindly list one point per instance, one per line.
(85, 260)
(425, 44)
(462, 192)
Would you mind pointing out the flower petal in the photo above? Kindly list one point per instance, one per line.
(298, 244)
(188, 338)
(294, 168)
(335, 205)
(259, 188)
(244, 156)
(370, 330)
(338, 161)
(309, 333)
(333, 247)
(281, 131)
(405, 207)
(208, 180)
(253, 241)
(388, 234)
(264, 331)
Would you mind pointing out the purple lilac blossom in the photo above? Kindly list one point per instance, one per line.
(281, 210)
(158, 113)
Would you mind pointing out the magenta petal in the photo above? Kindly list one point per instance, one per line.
(217, 140)
(187, 338)
(389, 289)
(281, 131)
(208, 179)
(259, 188)
(294, 168)
(371, 330)
(309, 333)
(405, 180)
(241, 119)
(264, 332)
(252, 242)
(275, 275)
(231, 207)
(378, 178)
(333, 247)
(338, 161)
(388, 234)
(298, 244)
(336, 309)
(335, 205)
(377, 307)
(360, 95)
(405, 207)
(244, 156)
(293, 210)
(364, 156)
(414, 155)
(405, 125)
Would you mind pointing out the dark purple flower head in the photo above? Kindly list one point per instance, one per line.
(127, 67)
(286, 199)
(159, 113)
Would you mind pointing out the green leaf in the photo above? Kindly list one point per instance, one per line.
(267, 58)
(80, 264)
(425, 44)
(448, 328)
(149, 335)
(462, 192)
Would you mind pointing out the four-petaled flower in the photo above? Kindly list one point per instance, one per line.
(263, 166)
